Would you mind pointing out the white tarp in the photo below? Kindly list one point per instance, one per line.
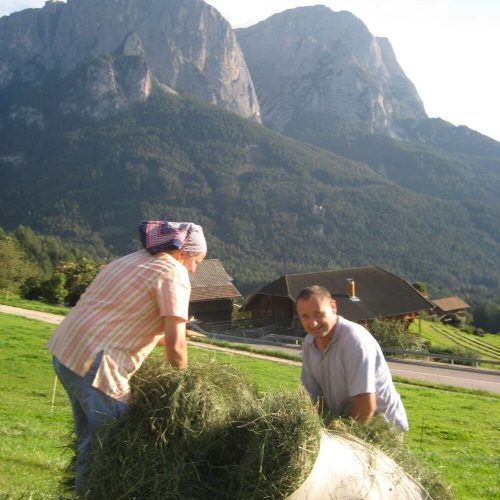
(349, 469)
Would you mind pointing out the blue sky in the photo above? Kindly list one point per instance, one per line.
(448, 48)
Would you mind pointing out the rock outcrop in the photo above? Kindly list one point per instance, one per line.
(312, 60)
(185, 45)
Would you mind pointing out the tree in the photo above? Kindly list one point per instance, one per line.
(421, 287)
(32, 246)
(393, 334)
(78, 277)
(53, 290)
(487, 316)
(14, 268)
(31, 288)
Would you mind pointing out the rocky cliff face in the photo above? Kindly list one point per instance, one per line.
(312, 60)
(185, 45)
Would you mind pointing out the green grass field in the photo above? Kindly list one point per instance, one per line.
(455, 431)
(488, 347)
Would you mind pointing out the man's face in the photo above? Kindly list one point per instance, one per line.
(318, 316)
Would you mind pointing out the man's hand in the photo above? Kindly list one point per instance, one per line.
(363, 407)
(175, 341)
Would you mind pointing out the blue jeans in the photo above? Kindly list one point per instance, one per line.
(91, 410)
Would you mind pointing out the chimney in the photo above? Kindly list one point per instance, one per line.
(351, 290)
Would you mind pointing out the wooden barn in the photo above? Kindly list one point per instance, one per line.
(362, 294)
(212, 292)
(446, 307)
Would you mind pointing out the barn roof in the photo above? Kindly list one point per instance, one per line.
(379, 292)
(450, 304)
(210, 281)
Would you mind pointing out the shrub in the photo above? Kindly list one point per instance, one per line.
(31, 288)
(53, 290)
(479, 332)
(460, 352)
(394, 334)
(78, 275)
(421, 287)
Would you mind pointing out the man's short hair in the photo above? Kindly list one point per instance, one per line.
(313, 291)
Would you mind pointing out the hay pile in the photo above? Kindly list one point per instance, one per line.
(204, 433)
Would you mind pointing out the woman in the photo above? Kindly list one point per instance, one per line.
(132, 304)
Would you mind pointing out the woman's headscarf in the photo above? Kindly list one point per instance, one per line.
(159, 235)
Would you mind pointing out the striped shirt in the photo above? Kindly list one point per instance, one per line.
(121, 313)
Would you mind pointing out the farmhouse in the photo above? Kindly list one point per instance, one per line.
(362, 294)
(446, 307)
(212, 292)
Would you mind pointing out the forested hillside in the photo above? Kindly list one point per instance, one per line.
(269, 205)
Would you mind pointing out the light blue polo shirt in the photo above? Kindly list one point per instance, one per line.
(352, 364)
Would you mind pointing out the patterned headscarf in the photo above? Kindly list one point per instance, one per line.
(159, 235)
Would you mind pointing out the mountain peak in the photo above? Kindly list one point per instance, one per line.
(187, 45)
(314, 60)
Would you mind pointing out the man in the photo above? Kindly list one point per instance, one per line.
(134, 303)
(344, 364)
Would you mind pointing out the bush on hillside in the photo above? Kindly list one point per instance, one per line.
(395, 335)
(460, 352)
(52, 291)
(78, 276)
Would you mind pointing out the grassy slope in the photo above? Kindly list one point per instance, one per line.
(31, 436)
(445, 336)
(453, 430)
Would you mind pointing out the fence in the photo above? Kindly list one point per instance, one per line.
(434, 356)
(260, 336)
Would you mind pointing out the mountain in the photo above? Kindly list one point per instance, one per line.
(186, 45)
(269, 205)
(323, 79)
(107, 117)
(313, 60)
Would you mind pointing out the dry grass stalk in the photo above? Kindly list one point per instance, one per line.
(204, 433)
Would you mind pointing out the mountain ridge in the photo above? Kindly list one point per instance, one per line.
(188, 46)
(269, 205)
(86, 154)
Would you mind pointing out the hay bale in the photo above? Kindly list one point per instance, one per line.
(204, 433)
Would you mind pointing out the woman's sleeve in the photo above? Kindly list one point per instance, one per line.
(173, 292)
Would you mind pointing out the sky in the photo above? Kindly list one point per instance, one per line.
(449, 49)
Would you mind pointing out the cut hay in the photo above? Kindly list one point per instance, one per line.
(204, 433)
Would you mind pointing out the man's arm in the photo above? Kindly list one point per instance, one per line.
(363, 407)
(175, 341)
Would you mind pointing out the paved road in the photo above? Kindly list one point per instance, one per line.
(27, 313)
(469, 378)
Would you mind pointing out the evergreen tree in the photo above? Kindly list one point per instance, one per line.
(14, 267)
